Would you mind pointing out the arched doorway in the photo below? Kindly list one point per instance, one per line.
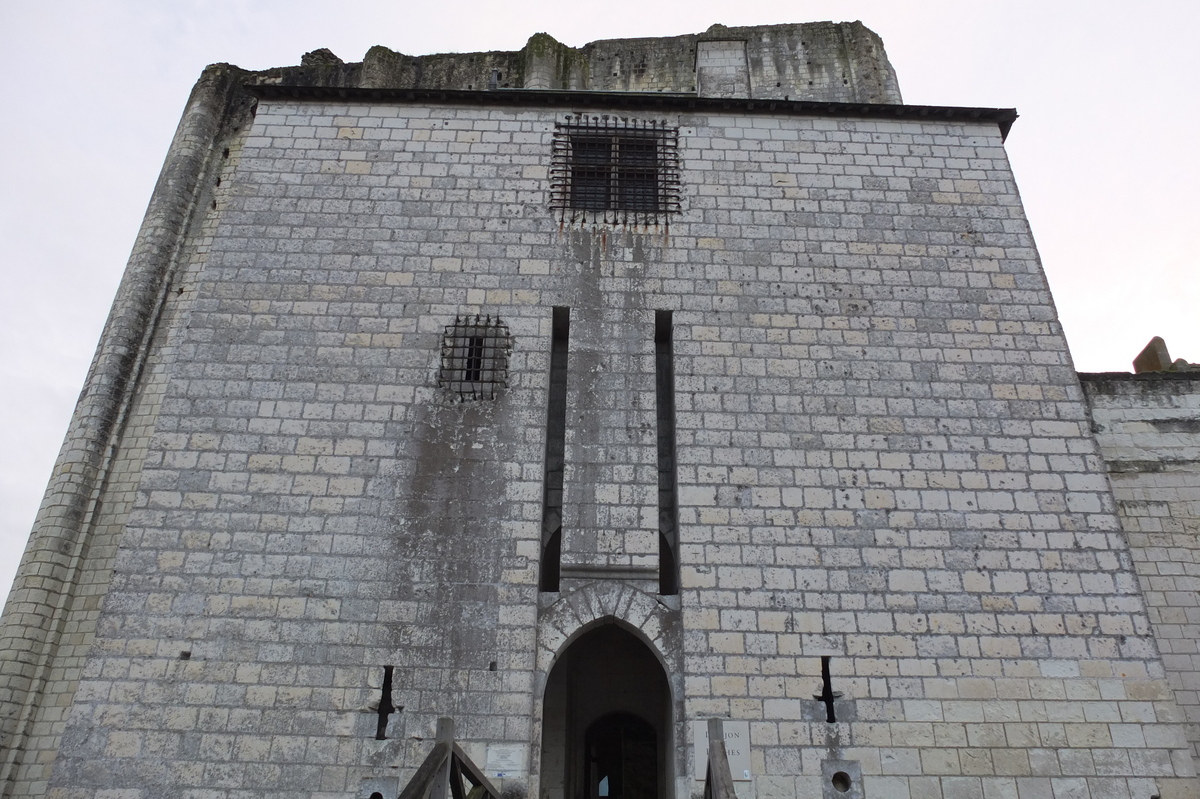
(606, 725)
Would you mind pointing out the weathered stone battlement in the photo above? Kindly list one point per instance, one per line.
(817, 61)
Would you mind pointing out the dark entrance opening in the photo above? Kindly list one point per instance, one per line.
(606, 730)
(622, 758)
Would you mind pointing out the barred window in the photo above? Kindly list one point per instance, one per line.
(475, 357)
(617, 170)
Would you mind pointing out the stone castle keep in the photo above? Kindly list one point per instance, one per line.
(581, 396)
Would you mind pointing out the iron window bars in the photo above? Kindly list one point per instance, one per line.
(612, 170)
(475, 357)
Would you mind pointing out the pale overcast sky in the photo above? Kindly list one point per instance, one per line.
(1104, 151)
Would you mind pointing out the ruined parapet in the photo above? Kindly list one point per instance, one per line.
(818, 61)
(548, 63)
(1154, 357)
(386, 69)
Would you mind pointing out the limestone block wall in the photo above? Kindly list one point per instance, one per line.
(1148, 428)
(884, 459)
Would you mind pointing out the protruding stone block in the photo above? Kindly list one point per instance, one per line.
(1153, 358)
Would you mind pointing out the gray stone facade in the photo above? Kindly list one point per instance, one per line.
(883, 462)
(1148, 428)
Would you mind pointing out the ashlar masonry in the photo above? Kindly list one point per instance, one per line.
(580, 396)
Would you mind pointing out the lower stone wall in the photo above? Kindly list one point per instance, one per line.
(1148, 428)
(887, 486)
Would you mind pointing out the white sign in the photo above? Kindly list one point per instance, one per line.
(505, 760)
(737, 747)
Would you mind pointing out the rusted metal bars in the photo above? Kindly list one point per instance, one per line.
(475, 357)
(614, 170)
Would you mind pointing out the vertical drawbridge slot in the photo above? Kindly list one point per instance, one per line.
(668, 511)
(556, 437)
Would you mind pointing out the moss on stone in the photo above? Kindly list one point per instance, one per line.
(542, 45)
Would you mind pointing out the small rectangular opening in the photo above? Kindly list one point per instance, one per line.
(473, 368)
(475, 353)
(590, 172)
(637, 175)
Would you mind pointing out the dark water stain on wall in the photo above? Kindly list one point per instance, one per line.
(446, 546)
